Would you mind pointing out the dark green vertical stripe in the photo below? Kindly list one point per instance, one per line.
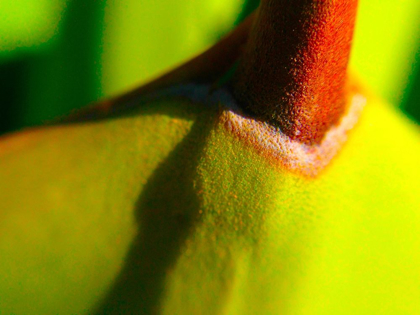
(11, 96)
(249, 7)
(67, 76)
(411, 100)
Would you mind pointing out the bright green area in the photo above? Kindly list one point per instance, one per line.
(143, 39)
(386, 40)
(26, 23)
(172, 214)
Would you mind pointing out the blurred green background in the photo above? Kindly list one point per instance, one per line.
(59, 55)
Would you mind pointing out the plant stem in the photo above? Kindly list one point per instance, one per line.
(293, 73)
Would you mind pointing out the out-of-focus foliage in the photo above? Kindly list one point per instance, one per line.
(99, 48)
(41, 84)
(59, 55)
(386, 40)
(145, 38)
(28, 23)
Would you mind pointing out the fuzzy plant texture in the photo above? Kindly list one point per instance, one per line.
(173, 201)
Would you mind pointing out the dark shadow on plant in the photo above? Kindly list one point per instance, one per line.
(167, 212)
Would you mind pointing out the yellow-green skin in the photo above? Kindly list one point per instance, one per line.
(163, 210)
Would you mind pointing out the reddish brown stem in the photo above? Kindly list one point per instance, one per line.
(293, 71)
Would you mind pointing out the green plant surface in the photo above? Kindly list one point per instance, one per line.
(68, 201)
(165, 210)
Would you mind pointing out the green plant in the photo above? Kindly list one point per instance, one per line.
(172, 199)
